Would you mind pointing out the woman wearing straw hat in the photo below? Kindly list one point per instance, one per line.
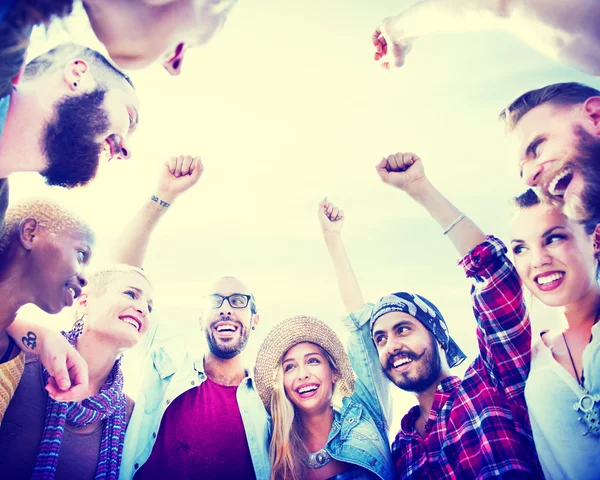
(301, 369)
(43, 438)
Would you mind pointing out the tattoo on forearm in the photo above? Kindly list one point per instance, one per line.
(154, 198)
(30, 341)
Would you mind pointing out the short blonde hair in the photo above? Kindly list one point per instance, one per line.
(100, 279)
(54, 217)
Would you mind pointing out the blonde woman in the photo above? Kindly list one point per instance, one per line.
(325, 423)
(42, 438)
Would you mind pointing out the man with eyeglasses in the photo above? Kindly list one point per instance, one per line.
(197, 414)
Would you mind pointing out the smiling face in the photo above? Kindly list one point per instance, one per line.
(228, 326)
(57, 263)
(308, 377)
(551, 141)
(553, 255)
(408, 353)
(120, 311)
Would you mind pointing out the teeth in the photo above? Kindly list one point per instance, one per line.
(311, 388)
(402, 361)
(549, 278)
(557, 178)
(226, 328)
(72, 290)
(131, 322)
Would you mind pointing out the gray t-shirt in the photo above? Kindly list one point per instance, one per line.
(21, 433)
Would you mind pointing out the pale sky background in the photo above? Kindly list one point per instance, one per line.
(286, 106)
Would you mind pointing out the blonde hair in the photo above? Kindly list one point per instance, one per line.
(99, 280)
(51, 215)
(287, 452)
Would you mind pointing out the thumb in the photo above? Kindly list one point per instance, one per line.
(382, 170)
(57, 368)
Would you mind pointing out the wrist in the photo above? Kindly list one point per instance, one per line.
(421, 190)
(332, 237)
(163, 199)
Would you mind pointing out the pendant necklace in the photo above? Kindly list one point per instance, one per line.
(588, 405)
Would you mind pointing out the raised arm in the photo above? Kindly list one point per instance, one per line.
(563, 30)
(331, 220)
(405, 172)
(177, 175)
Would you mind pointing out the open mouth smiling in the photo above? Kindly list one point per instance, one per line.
(560, 182)
(134, 322)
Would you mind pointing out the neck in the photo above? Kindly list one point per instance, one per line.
(426, 397)
(12, 293)
(317, 426)
(582, 313)
(21, 146)
(224, 371)
(100, 357)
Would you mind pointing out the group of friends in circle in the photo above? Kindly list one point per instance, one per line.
(310, 407)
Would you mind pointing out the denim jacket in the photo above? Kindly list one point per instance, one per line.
(359, 434)
(170, 370)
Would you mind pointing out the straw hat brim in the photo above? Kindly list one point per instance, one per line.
(284, 336)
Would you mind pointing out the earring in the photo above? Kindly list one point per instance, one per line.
(77, 328)
(253, 327)
(74, 84)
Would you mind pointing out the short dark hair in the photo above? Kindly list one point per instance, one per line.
(44, 62)
(527, 199)
(26, 13)
(561, 94)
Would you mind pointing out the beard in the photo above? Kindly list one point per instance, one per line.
(588, 163)
(430, 362)
(231, 348)
(69, 140)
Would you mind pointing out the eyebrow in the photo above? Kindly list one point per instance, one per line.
(307, 355)
(401, 323)
(545, 234)
(531, 147)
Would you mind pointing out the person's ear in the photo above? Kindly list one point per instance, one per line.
(591, 108)
(28, 231)
(75, 73)
(255, 320)
(597, 241)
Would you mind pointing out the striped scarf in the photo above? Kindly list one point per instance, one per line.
(108, 406)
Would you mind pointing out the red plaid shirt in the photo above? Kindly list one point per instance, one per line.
(478, 426)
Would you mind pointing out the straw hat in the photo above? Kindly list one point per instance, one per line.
(284, 336)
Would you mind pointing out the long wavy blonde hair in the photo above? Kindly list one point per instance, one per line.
(287, 452)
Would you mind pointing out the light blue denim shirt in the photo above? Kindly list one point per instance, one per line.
(170, 370)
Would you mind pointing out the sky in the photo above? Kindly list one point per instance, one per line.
(286, 106)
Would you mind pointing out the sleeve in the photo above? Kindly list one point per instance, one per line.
(371, 387)
(503, 325)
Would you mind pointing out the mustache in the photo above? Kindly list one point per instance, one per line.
(404, 354)
(227, 318)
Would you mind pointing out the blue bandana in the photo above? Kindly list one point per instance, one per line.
(426, 313)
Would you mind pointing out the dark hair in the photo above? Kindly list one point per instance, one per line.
(27, 13)
(530, 199)
(561, 94)
(44, 62)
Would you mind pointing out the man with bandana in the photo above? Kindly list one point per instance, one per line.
(70, 106)
(474, 427)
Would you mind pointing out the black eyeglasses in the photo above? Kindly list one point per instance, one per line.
(236, 300)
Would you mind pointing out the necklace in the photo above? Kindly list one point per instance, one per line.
(588, 405)
(319, 459)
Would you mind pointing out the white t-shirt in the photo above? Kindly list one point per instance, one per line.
(551, 392)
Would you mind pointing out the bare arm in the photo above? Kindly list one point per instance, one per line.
(405, 171)
(332, 220)
(567, 31)
(178, 175)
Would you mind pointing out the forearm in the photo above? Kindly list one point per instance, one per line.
(133, 242)
(448, 16)
(352, 296)
(465, 234)
(26, 334)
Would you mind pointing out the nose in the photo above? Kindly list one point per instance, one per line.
(142, 308)
(532, 173)
(394, 345)
(173, 65)
(539, 257)
(81, 279)
(124, 150)
(302, 372)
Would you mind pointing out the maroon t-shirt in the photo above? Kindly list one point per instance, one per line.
(201, 435)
